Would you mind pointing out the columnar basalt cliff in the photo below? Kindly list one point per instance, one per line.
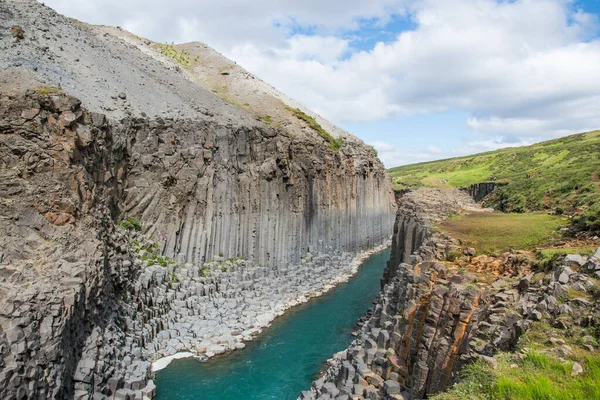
(480, 191)
(69, 175)
(250, 192)
(432, 316)
(238, 218)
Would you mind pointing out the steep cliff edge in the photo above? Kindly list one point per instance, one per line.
(441, 308)
(238, 218)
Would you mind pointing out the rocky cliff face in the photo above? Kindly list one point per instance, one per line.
(200, 189)
(411, 339)
(436, 313)
(239, 218)
(206, 177)
(479, 191)
(58, 281)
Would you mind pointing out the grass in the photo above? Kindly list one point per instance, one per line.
(48, 90)
(131, 222)
(151, 253)
(334, 144)
(182, 57)
(537, 377)
(569, 168)
(374, 150)
(497, 232)
(582, 250)
(546, 259)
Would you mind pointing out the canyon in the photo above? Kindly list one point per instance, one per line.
(158, 201)
(143, 215)
(442, 308)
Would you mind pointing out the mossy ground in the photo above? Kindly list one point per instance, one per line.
(48, 90)
(183, 57)
(334, 143)
(495, 232)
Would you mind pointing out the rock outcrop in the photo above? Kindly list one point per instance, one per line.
(206, 177)
(202, 190)
(433, 316)
(480, 191)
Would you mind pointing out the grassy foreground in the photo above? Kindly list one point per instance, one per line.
(535, 372)
(562, 173)
(495, 232)
(537, 377)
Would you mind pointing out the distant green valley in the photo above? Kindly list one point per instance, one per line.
(561, 175)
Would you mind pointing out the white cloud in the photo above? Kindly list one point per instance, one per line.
(525, 70)
(223, 24)
(382, 146)
(392, 156)
(522, 68)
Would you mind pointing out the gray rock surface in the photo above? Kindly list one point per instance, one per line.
(240, 218)
(82, 310)
(200, 166)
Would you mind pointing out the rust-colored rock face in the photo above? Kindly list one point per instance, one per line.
(425, 321)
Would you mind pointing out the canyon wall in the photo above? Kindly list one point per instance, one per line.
(423, 325)
(204, 190)
(479, 191)
(243, 208)
(82, 313)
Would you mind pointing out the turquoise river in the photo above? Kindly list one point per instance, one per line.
(286, 357)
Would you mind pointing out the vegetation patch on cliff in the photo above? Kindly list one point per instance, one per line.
(536, 377)
(334, 144)
(493, 232)
(561, 173)
(182, 57)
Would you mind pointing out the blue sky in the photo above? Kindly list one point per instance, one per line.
(418, 79)
(422, 133)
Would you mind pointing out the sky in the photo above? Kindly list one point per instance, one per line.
(418, 79)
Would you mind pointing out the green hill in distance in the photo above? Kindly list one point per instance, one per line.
(561, 174)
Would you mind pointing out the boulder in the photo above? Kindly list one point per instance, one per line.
(577, 369)
(574, 260)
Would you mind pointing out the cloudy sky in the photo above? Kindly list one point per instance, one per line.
(418, 79)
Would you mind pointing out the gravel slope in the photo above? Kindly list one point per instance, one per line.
(100, 65)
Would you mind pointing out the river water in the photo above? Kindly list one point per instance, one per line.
(288, 356)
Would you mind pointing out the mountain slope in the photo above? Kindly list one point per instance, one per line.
(561, 172)
(229, 81)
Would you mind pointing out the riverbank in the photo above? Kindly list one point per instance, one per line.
(285, 357)
(269, 313)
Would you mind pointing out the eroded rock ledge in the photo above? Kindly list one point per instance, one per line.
(432, 318)
(83, 313)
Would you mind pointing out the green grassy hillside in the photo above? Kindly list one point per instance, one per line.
(566, 174)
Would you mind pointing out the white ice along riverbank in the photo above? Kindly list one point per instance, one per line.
(177, 311)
